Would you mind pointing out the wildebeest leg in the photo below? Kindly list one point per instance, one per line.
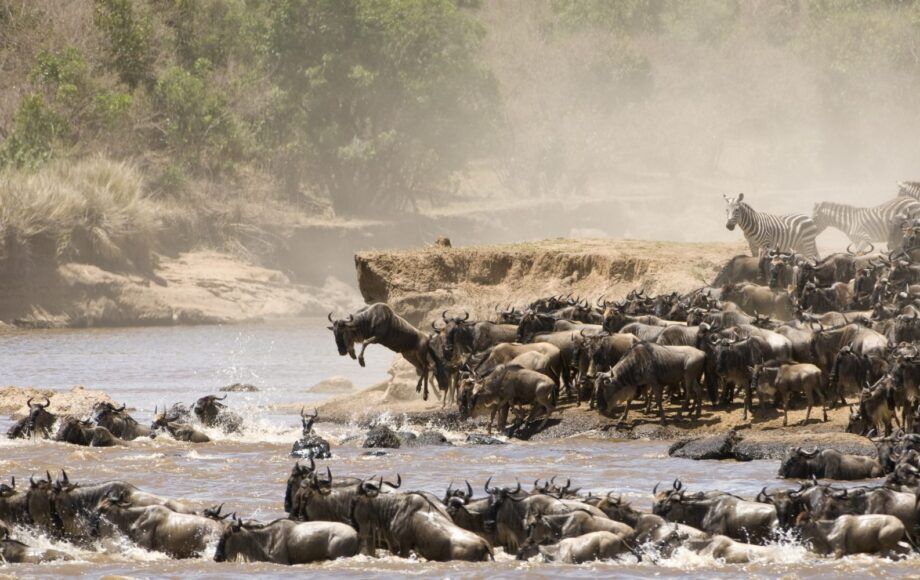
(748, 402)
(492, 417)
(786, 408)
(626, 410)
(658, 390)
(364, 344)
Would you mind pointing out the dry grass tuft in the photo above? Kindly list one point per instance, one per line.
(93, 210)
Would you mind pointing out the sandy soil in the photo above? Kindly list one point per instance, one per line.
(420, 283)
(202, 287)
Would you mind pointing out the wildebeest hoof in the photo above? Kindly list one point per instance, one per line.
(361, 361)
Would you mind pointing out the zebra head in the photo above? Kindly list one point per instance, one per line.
(732, 209)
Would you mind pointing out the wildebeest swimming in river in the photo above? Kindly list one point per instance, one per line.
(378, 324)
(310, 444)
(38, 422)
(212, 413)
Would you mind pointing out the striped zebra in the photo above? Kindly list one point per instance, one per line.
(764, 231)
(909, 189)
(865, 225)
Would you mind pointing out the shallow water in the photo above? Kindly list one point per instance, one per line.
(147, 367)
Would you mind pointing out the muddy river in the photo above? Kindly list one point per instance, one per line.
(148, 367)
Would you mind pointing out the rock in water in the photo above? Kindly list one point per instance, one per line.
(381, 436)
(720, 446)
(240, 388)
(423, 439)
(482, 439)
(311, 446)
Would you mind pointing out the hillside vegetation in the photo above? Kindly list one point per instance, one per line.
(130, 124)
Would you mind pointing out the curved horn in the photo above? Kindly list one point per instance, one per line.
(444, 316)
(486, 486)
(469, 489)
(655, 489)
(849, 251)
(329, 316)
(466, 315)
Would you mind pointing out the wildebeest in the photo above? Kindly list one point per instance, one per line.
(512, 384)
(777, 379)
(729, 551)
(77, 432)
(213, 413)
(310, 444)
(158, 528)
(467, 337)
(828, 463)
(378, 324)
(14, 504)
(657, 367)
(178, 430)
(118, 421)
(741, 269)
(717, 513)
(13, 551)
(854, 534)
(413, 522)
(754, 299)
(548, 529)
(585, 548)
(38, 422)
(286, 542)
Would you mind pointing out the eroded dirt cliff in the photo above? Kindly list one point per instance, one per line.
(421, 283)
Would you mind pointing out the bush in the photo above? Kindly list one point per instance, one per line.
(128, 40)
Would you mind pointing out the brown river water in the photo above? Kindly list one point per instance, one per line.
(148, 367)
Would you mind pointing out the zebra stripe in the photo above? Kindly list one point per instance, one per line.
(786, 233)
(864, 224)
(909, 189)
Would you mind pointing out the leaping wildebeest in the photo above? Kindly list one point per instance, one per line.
(378, 324)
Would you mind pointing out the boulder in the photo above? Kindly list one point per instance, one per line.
(311, 446)
(239, 388)
(381, 436)
(427, 438)
(336, 384)
(719, 446)
(769, 446)
(482, 439)
(77, 402)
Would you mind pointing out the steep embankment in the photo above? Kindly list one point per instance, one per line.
(421, 282)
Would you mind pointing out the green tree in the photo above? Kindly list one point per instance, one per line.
(385, 99)
(128, 40)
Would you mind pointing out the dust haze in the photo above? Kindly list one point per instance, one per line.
(665, 107)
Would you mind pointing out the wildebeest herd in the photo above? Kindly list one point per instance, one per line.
(333, 517)
(783, 325)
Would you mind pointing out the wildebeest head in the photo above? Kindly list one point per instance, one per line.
(464, 495)
(732, 210)
(465, 400)
(662, 499)
(307, 421)
(237, 539)
(454, 327)
(345, 334)
(299, 473)
(497, 497)
(207, 408)
(107, 414)
(38, 421)
(797, 463)
(788, 503)
(40, 501)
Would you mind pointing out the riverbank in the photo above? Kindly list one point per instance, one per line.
(760, 436)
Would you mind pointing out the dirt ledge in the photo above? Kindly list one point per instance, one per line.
(421, 282)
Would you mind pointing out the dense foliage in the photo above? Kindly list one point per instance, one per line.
(375, 106)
